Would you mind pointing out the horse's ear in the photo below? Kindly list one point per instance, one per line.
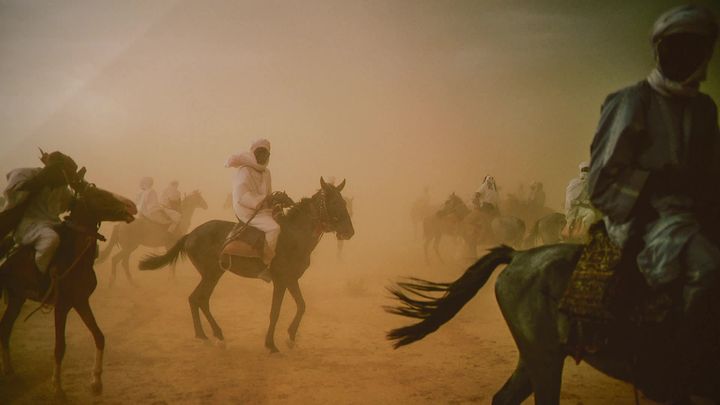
(341, 186)
(81, 174)
(322, 183)
(43, 155)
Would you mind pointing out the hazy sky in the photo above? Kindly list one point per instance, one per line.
(392, 95)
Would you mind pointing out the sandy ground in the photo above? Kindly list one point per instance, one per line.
(341, 356)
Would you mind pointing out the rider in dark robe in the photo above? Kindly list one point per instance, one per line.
(655, 165)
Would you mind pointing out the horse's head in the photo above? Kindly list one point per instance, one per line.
(281, 199)
(194, 200)
(98, 205)
(334, 210)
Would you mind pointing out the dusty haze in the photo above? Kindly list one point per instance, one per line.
(393, 96)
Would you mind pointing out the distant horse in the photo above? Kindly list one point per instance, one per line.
(528, 292)
(420, 210)
(302, 228)
(144, 232)
(74, 280)
(547, 230)
(446, 221)
(483, 227)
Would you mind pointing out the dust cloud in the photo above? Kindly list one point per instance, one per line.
(391, 96)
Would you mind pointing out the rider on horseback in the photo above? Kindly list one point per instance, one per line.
(252, 187)
(579, 212)
(36, 197)
(171, 202)
(486, 198)
(654, 166)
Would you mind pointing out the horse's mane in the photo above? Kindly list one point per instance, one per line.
(296, 209)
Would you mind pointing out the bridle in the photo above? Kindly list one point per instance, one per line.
(325, 222)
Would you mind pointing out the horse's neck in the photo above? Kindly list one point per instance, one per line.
(186, 214)
(304, 227)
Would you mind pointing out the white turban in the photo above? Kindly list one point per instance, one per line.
(146, 183)
(260, 143)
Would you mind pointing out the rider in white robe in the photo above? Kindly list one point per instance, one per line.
(578, 210)
(171, 201)
(48, 199)
(251, 189)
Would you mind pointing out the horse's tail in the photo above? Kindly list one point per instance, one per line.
(114, 240)
(435, 312)
(154, 262)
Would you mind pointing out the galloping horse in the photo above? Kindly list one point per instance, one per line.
(302, 228)
(74, 280)
(146, 233)
(528, 292)
(446, 221)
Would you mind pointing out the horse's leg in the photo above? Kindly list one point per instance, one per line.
(86, 314)
(15, 303)
(436, 247)
(278, 294)
(126, 268)
(113, 268)
(517, 388)
(294, 289)
(61, 312)
(204, 303)
(545, 370)
(195, 299)
(171, 276)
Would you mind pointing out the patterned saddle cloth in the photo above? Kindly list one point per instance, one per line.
(604, 291)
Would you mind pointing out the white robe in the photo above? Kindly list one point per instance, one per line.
(488, 195)
(36, 228)
(252, 184)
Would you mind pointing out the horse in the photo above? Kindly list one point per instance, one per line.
(420, 210)
(547, 230)
(446, 221)
(72, 283)
(483, 227)
(143, 232)
(528, 291)
(301, 230)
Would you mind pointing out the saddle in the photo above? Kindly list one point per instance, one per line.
(243, 251)
(244, 241)
(606, 291)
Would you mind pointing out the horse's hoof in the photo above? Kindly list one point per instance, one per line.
(59, 393)
(290, 343)
(220, 344)
(96, 388)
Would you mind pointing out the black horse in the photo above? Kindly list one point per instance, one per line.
(302, 228)
(528, 292)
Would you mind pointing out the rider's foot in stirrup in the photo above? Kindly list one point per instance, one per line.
(265, 275)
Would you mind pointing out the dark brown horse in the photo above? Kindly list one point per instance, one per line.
(302, 227)
(73, 279)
